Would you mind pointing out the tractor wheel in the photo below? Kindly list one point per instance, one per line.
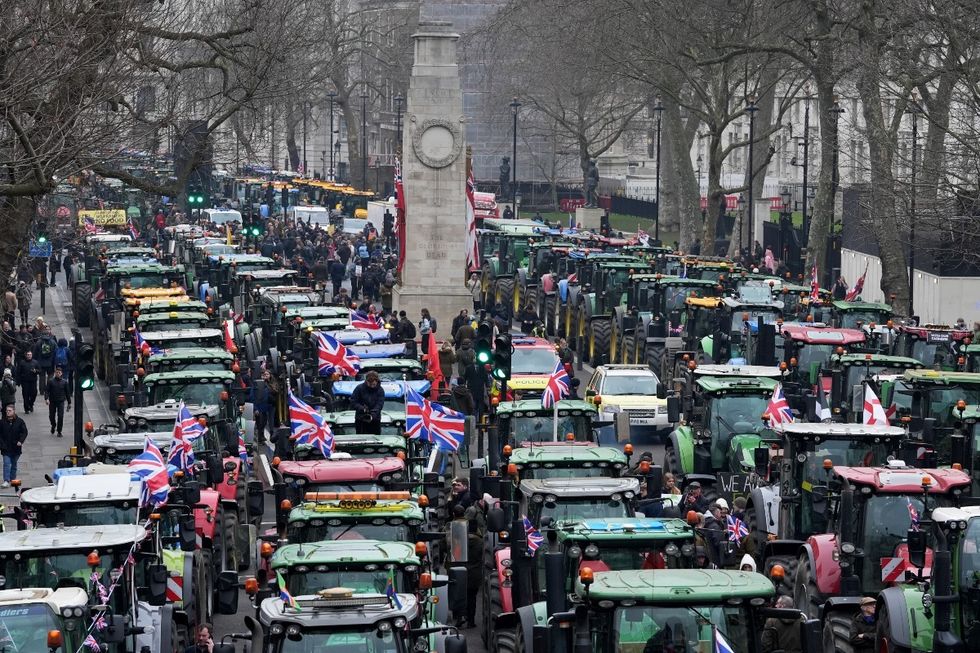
(655, 360)
(520, 645)
(599, 342)
(82, 303)
(789, 563)
(837, 633)
(806, 596)
(516, 300)
(504, 291)
(204, 592)
(627, 350)
(550, 317)
(615, 343)
(491, 606)
(531, 299)
(229, 540)
(506, 640)
(883, 636)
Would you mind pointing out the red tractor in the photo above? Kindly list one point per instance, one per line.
(870, 511)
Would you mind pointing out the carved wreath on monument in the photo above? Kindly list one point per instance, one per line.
(437, 142)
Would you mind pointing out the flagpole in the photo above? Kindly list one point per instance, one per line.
(555, 422)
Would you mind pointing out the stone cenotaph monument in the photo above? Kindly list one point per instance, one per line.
(434, 179)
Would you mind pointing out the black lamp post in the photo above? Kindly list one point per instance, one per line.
(914, 109)
(331, 95)
(364, 149)
(514, 106)
(306, 169)
(741, 218)
(398, 122)
(751, 108)
(786, 222)
(659, 109)
(835, 110)
(704, 207)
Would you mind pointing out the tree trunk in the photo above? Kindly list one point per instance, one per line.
(882, 206)
(933, 154)
(716, 194)
(16, 216)
(687, 211)
(353, 120)
(292, 151)
(823, 202)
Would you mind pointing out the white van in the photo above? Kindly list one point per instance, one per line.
(222, 216)
(316, 215)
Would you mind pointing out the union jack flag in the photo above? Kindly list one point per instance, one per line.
(737, 530)
(814, 285)
(559, 387)
(778, 408)
(855, 292)
(242, 451)
(149, 467)
(134, 233)
(140, 342)
(284, 595)
(332, 356)
(92, 644)
(913, 514)
(308, 426)
(99, 295)
(100, 623)
(186, 430)
(432, 422)
(90, 226)
(360, 320)
(534, 537)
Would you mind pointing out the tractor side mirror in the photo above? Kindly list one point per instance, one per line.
(115, 632)
(917, 548)
(496, 520)
(227, 592)
(457, 590)
(454, 644)
(929, 430)
(215, 472)
(760, 459)
(158, 575)
(673, 409)
(661, 390)
(188, 533)
(255, 499)
(811, 636)
(191, 491)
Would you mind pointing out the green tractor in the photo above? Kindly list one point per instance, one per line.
(568, 461)
(723, 407)
(499, 276)
(601, 294)
(854, 315)
(848, 374)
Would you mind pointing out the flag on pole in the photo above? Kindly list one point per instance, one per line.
(778, 408)
(142, 346)
(284, 595)
(134, 233)
(309, 427)
(873, 411)
(721, 644)
(814, 284)
(913, 514)
(229, 331)
(854, 292)
(432, 364)
(823, 406)
(361, 320)
(186, 430)
(400, 211)
(151, 469)
(534, 537)
(432, 422)
(332, 356)
(390, 590)
(472, 246)
(559, 387)
(737, 530)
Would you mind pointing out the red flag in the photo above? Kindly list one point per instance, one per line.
(814, 284)
(472, 247)
(400, 215)
(432, 362)
(858, 288)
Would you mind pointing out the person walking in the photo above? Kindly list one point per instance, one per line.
(427, 325)
(63, 358)
(44, 350)
(54, 264)
(24, 296)
(368, 399)
(264, 396)
(27, 376)
(476, 291)
(13, 432)
(8, 388)
(10, 306)
(57, 396)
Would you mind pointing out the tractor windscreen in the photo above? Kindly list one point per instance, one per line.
(688, 629)
(323, 640)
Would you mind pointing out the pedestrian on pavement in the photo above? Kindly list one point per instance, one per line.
(368, 399)
(406, 331)
(27, 377)
(54, 264)
(24, 296)
(476, 291)
(63, 358)
(264, 397)
(68, 261)
(427, 325)
(863, 626)
(203, 641)
(463, 333)
(464, 357)
(44, 351)
(782, 634)
(8, 388)
(10, 306)
(461, 319)
(57, 396)
(13, 432)
(447, 357)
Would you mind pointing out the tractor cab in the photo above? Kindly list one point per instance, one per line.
(526, 423)
(385, 516)
(807, 349)
(568, 461)
(295, 478)
(114, 448)
(172, 321)
(850, 372)
(556, 500)
(205, 359)
(936, 346)
(83, 500)
(183, 339)
(44, 619)
(855, 315)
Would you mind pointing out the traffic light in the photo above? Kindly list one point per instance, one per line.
(483, 334)
(502, 350)
(196, 198)
(255, 229)
(86, 366)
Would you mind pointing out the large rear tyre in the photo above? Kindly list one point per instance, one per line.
(655, 360)
(491, 606)
(806, 596)
(551, 315)
(504, 292)
(837, 633)
(599, 342)
(672, 463)
(82, 303)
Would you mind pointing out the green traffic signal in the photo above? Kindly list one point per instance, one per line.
(42, 239)
(86, 367)
(88, 383)
(482, 355)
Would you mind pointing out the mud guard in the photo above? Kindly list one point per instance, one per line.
(683, 442)
(845, 604)
(898, 627)
(766, 502)
(530, 616)
(826, 571)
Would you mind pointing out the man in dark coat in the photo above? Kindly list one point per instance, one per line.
(13, 432)
(368, 400)
(56, 396)
(863, 626)
(782, 634)
(27, 375)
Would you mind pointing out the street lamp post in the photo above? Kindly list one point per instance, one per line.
(514, 106)
(305, 167)
(741, 218)
(331, 95)
(786, 222)
(806, 161)
(835, 110)
(659, 109)
(364, 97)
(751, 109)
(914, 110)
(704, 207)
(398, 122)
